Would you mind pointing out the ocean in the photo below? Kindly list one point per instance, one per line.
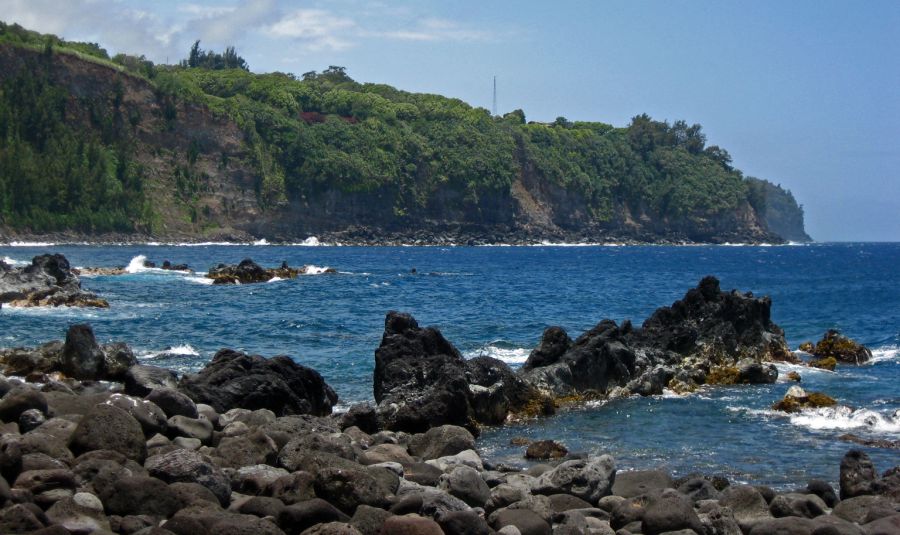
(497, 301)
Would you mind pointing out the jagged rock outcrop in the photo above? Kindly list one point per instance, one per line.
(248, 271)
(422, 381)
(48, 281)
(237, 380)
(707, 331)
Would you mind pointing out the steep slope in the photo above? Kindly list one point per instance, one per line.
(140, 150)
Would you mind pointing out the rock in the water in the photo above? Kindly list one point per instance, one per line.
(190, 467)
(237, 380)
(555, 342)
(107, 427)
(797, 399)
(545, 449)
(248, 272)
(835, 345)
(48, 281)
(677, 345)
(419, 379)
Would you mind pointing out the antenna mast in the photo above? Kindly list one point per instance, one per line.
(494, 108)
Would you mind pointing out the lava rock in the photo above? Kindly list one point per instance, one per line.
(835, 345)
(20, 399)
(107, 427)
(237, 380)
(441, 441)
(545, 449)
(589, 480)
(140, 380)
(173, 402)
(190, 467)
(139, 495)
(419, 379)
(858, 475)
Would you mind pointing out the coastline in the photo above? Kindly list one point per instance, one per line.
(341, 240)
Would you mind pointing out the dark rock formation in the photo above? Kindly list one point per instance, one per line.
(422, 381)
(48, 281)
(837, 347)
(708, 336)
(237, 380)
(248, 272)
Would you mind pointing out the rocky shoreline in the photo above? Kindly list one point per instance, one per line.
(93, 441)
(366, 236)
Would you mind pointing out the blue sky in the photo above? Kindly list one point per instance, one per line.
(803, 93)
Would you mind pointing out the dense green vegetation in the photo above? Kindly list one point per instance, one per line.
(54, 176)
(428, 155)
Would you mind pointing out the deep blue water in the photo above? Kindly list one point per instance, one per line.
(497, 301)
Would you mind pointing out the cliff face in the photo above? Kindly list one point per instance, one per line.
(207, 175)
(782, 214)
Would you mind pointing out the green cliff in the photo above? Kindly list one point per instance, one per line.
(93, 145)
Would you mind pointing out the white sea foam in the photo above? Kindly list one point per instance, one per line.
(509, 355)
(30, 244)
(881, 354)
(136, 265)
(199, 280)
(262, 241)
(315, 270)
(841, 418)
(14, 262)
(184, 350)
(274, 279)
(312, 241)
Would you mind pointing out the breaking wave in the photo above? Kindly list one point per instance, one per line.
(500, 351)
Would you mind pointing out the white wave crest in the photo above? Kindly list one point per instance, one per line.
(274, 279)
(509, 355)
(199, 280)
(136, 265)
(30, 244)
(315, 270)
(885, 353)
(184, 350)
(312, 241)
(840, 418)
(262, 241)
(14, 262)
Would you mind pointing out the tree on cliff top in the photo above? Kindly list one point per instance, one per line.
(207, 59)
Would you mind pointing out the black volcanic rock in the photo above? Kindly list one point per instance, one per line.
(707, 329)
(237, 380)
(420, 378)
(48, 281)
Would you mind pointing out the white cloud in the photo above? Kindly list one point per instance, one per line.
(317, 29)
(433, 29)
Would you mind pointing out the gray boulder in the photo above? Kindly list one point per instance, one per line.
(106, 427)
(190, 467)
(589, 480)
